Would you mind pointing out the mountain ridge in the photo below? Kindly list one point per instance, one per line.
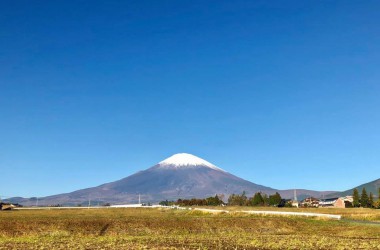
(371, 186)
(179, 176)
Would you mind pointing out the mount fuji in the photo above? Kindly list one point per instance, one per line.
(179, 176)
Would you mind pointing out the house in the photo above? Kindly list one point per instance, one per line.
(310, 202)
(331, 202)
(338, 202)
(348, 198)
(6, 206)
(294, 203)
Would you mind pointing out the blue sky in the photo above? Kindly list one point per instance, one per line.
(282, 93)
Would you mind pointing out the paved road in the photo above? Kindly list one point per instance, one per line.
(331, 216)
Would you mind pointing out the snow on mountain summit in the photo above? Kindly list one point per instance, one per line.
(184, 160)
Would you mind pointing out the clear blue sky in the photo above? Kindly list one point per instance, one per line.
(282, 93)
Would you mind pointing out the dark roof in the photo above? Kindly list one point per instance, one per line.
(310, 198)
(330, 199)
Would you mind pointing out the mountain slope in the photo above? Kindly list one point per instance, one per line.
(304, 193)
(179, 176)
(372, 186)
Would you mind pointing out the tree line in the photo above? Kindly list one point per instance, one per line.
(258, 199)
(210, 201)
(365, 200)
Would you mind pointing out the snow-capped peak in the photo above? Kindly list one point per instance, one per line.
(184, 160)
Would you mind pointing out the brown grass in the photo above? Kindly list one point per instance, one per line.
(365, 214)
(179, 229)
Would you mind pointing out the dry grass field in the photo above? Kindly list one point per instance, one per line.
(362, 214)
(143, 228)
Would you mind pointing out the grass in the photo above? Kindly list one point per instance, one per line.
(363, 214)
(182, 229)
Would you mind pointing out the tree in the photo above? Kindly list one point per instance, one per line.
(214, 201)
(370, 200)
(364, 198)
(355, 197)
(257, 200)
(244, 199)
(265, 199)
(376, 204)
(231, 200)
(169, 203)
(237, 200)
(275, 199)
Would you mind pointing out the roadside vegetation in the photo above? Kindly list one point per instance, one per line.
(151, 228)
(260, 199)
(365, 200)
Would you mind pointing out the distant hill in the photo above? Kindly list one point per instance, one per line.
(372, 186)
(304, 193)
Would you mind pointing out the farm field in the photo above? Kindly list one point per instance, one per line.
(360, 214)
(142, 228)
